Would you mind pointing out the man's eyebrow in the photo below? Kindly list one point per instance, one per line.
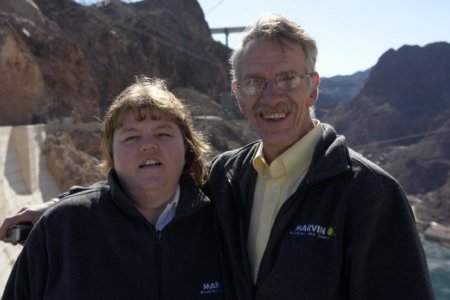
(257, 75)
(252, 76)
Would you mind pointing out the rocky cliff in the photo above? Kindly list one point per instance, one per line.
(400, 119)
(406, 91)
(61, 60)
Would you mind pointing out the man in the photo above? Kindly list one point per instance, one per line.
(302, 216)
(312, 218)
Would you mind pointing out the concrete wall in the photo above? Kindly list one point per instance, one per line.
(24, 180)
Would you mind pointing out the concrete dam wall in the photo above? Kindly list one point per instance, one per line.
(24, 180)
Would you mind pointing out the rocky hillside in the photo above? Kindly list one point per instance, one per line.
(400, 119)
(338, 90)
(407, 90)
(61, 60)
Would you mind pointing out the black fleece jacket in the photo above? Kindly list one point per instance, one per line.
(96, 245)
(348, 232)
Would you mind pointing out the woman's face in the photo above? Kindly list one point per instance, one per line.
(149, 154)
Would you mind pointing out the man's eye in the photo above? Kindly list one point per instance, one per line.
(252, 81)
(287, 77)
(288, 81)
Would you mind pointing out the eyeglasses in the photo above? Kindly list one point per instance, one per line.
(255, 86)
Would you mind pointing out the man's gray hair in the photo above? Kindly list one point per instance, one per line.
(277, 28)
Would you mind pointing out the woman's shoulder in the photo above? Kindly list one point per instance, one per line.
(80, 199)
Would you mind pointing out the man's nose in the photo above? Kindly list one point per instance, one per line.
(271, 89)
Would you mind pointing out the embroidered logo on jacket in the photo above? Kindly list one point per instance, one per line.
(211, 288)
(314, 230)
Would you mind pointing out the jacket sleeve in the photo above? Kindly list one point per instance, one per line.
(28, 276)
(385, 254)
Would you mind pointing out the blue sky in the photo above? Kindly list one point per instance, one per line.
(351, 34)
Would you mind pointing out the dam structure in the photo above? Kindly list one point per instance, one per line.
(24, 180)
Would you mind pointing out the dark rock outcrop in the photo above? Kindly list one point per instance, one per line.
(405, 91)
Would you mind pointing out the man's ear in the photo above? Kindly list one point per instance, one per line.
(234, 87)
(315, 88)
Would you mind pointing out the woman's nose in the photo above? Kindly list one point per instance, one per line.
(149, 144)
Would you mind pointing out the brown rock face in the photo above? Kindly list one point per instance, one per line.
(62, 60)
(22, 87)
(71, 159)
(44, 75)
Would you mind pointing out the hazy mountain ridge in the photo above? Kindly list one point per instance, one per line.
(338, 90)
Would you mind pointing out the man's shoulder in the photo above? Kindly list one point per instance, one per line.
(344, 158)
(362, 166)
(239, 154)
(233, 153)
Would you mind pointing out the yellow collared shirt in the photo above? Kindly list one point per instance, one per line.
(275, 184)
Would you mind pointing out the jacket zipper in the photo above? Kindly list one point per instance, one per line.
(243, 237)
(158, 257)
(158, 264)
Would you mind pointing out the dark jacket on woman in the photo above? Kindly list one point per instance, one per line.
(96, 245)
(348, 232)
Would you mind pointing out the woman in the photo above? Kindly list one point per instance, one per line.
(146, 233)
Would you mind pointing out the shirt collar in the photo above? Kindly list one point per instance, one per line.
(294, 159)
(169, 211)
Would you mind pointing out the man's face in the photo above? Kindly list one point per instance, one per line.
(149, 155)
(280, 118)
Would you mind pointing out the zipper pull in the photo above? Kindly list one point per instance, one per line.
(158, 235)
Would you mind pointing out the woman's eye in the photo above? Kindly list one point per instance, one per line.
(130, 138)
(163, 134)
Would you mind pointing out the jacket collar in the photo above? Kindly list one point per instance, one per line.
(330, 158)
(191, 197)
